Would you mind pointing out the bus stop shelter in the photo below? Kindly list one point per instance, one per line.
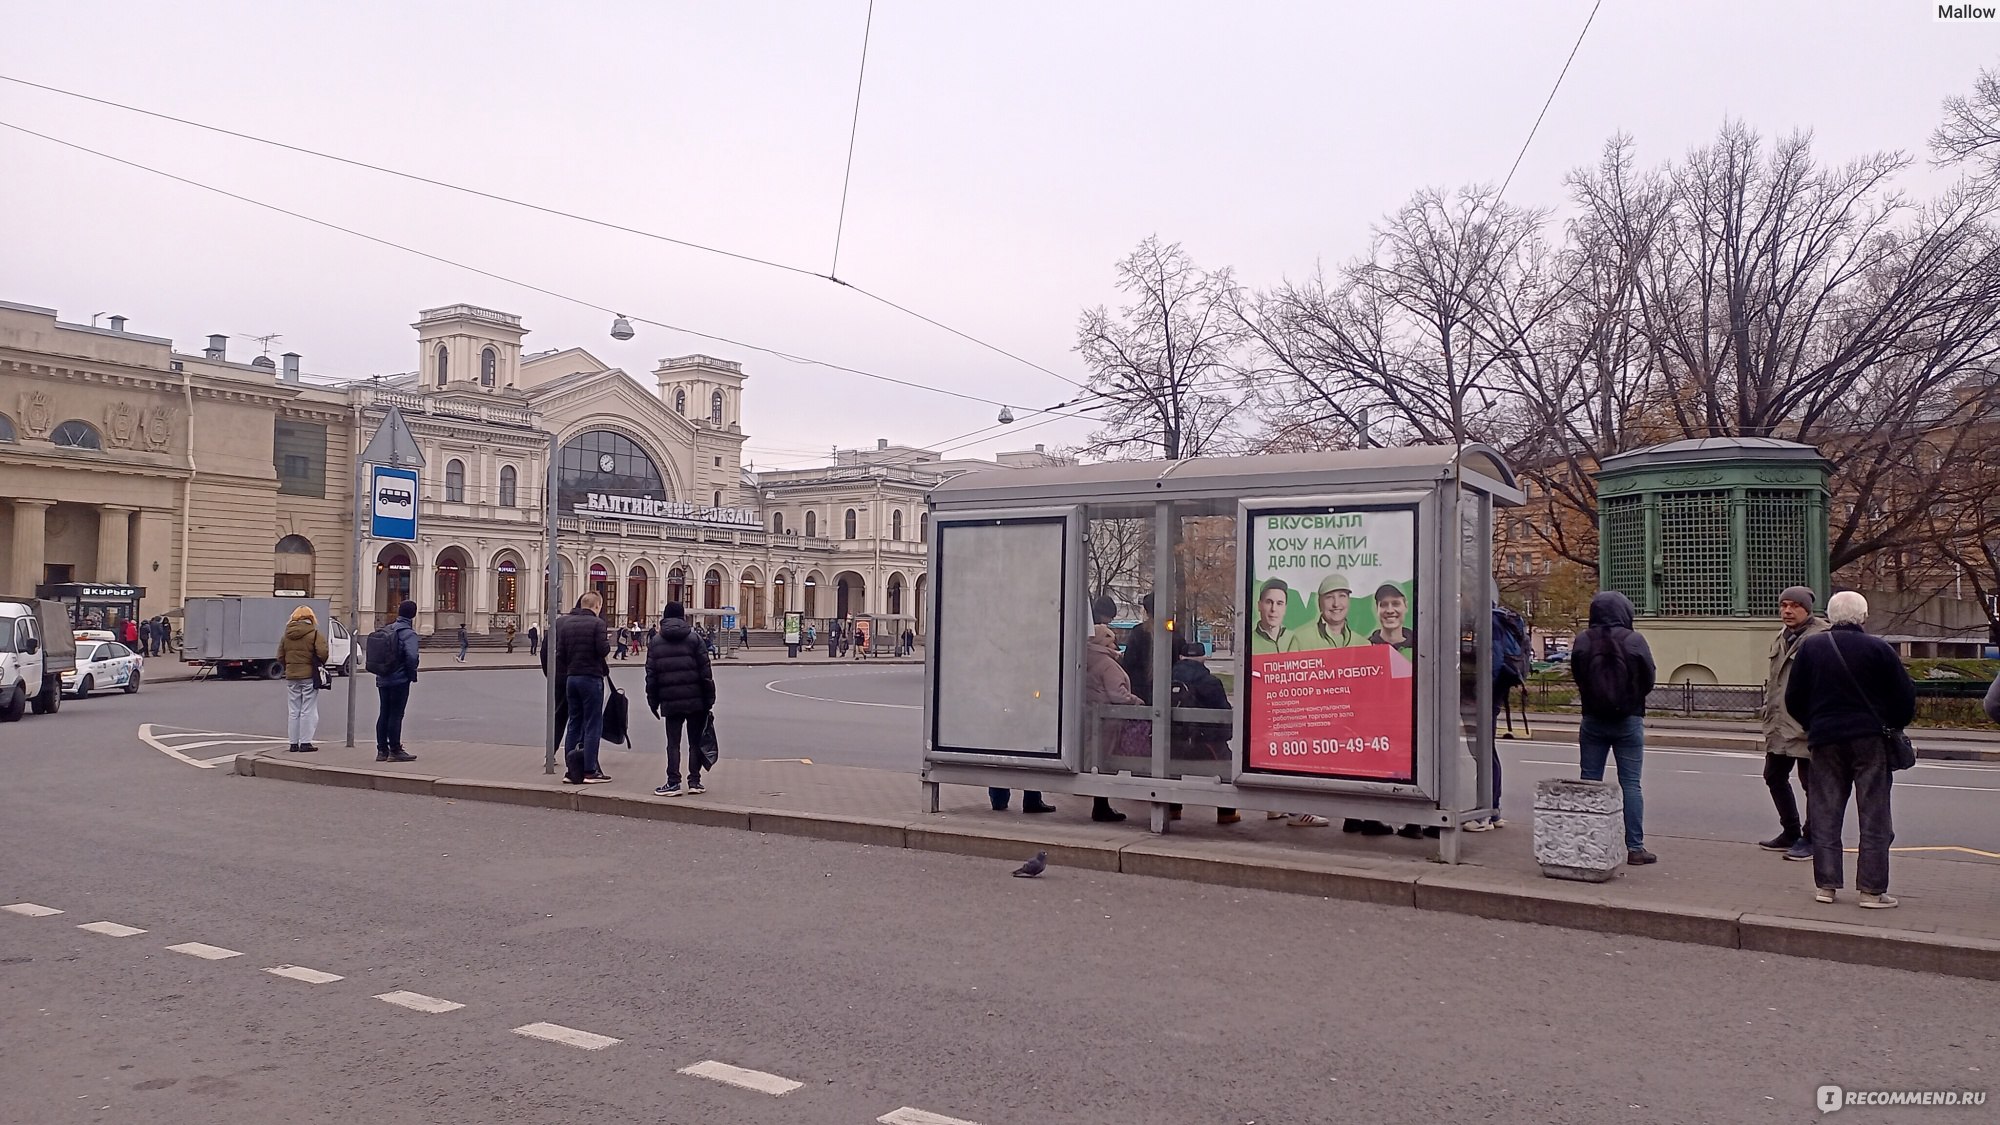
(1346, 597)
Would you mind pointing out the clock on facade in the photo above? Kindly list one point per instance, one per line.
(607, 462)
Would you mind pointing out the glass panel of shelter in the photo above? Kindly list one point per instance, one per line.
(1178, 654)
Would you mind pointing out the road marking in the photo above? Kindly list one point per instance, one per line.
(909, 1116)
(211, 737)
(1959, 788)
(111, 929)
(418, 1002)
(205, 952)
(773, 687)
(800, 761)
(567, 1036)
(31, 910)
(310, 976)
(746, 1079)
(1942, 848)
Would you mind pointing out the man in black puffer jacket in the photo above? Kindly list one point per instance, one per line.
(680, 688)
(580, 645)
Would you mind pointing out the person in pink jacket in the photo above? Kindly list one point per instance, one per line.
(1106, 684)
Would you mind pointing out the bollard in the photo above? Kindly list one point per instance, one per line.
(1579, 829)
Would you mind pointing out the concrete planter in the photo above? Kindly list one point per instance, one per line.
(1579, 829)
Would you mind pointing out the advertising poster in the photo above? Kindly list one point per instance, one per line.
(794, 628)
(1332, 644)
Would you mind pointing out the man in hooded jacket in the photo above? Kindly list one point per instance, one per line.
(1613, 668)
(680, 689)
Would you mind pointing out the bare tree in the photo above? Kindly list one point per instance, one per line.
(1164, 363)
(1118, 553)
(1969, 135)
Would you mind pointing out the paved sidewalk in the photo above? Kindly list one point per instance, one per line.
(1701, 891)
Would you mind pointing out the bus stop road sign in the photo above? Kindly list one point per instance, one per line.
(392, 502)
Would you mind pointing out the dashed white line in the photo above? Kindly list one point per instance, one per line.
(909, 1116)
(756, 1080)
(310, 976)
(205, 952)
(567, 1036)
(31, 910)
(111, 929)
(418, 1002)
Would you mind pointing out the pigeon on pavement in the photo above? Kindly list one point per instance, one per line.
(1033, 867)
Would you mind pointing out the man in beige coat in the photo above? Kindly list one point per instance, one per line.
(1784, 738)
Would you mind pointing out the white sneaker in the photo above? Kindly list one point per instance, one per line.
(1878, 902)
(1824, 894)
(1477, 826)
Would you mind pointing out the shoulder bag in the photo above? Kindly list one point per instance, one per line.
(1902, 752)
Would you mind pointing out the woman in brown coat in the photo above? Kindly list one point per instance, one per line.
(1105, 684)
(302, 651)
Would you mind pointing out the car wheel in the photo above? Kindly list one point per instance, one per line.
(14, 708)
(83, 687)
(132, 684)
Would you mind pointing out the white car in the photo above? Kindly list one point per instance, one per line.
(101, 665)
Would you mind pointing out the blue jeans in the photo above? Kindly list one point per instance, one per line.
(1625, 740)
(585, 696)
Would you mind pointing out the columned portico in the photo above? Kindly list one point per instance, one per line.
(114, 543)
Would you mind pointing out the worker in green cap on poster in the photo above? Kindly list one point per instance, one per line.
(1329, 629)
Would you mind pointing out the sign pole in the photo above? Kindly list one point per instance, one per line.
(354, 637)
(551, 599)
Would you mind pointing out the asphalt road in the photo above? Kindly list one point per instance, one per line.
(876, 979)
(872, 717)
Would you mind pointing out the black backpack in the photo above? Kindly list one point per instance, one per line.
(1610, 672)
(384, 654)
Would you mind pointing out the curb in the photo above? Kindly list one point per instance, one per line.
(1467, 891)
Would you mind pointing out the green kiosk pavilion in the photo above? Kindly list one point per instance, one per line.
(1702, 535)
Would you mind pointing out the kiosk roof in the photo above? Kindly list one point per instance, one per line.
(1246, 475)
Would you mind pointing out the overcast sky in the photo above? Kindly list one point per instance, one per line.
(1007, 156)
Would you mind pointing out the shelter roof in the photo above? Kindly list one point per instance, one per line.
(1261, 473)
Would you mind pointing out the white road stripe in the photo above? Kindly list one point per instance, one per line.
(111, 929)
(205, 952)
(418, 1002)
(31, 910)
(773, 687)
(299, 972)
(908, 1116)
(567, 1036)
(757, 1080)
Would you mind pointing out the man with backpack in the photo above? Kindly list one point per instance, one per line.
(1510, 670)
(680, 690)
(579, 647)
(1613, 668)
(392, 660)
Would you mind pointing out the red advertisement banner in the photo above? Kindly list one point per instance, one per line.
(1337, 712)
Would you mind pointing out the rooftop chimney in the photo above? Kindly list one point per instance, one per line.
(291, 368)
(218, 347)
(881, 443)
(118, 324)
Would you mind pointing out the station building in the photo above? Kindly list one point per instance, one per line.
(151, 476)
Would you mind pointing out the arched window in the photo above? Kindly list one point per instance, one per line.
(715, 408)
(454, 481)
(850, 523)
(896, 526)
(6, 430)
(292, 567)
(507, 582)
(681, 403)
(605, 463)
(443, 365)
(76, 435)
(489, 366)
(924, 527)
(718, 499)
(777, 523)
(508, 480)
(812, 524)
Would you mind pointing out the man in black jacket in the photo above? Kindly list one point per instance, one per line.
(1847, 689)
(580, 645)
(1613, 669)
(680, 688)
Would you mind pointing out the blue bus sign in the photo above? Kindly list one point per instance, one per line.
(392, 502)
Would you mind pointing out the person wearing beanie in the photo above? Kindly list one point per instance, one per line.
(302, 650)
(1784, 739)
(392, 688)
(680, 691)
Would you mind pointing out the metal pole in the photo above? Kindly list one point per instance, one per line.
(354, 635)
(551, 598)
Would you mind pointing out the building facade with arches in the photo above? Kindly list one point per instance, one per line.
(125, 461)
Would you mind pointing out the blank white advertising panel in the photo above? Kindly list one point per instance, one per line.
(998, 637)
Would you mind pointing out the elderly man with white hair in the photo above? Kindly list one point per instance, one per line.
(1848, 690)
